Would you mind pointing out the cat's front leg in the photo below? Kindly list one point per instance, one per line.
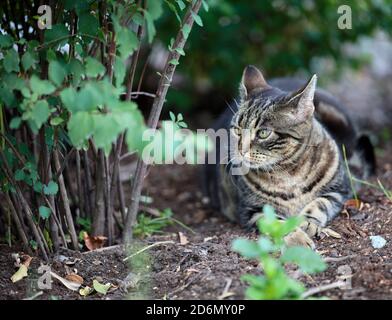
(316, 215)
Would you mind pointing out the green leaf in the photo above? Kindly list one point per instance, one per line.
(86, 99)
(11, 61)
(154, 8)
(44, 212)
(38, 187)
(7, 96)
(180, 51)
(119, 71)
(58, 32)
(41, 87)
(68, 97)
(174, 10)
(101, 288)
(266, 245)
(181, 4)
(186, 29)
(76, 71)
(174, 62)
(205, 5)
(172, 116)
(106, 130)
(15, 122)
(5, 40)
(197, 19)
(94, 68)
(19, 175)
(128, 42)
(51, 188)
(151, 31)
(306, 259)
(88, 24)
(248, 249)
(290, 224)
(13, 81)
(56, 121)
(182, 124)
(28, 61)
(40, 113)
(80, 128)
(57, 73)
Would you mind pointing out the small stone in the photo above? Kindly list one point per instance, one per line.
(378, 242)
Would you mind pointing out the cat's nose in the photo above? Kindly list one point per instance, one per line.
(244, 145)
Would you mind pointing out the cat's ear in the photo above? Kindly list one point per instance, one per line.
(302, 101)
(252, 79)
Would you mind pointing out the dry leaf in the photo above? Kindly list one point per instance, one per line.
(209, 238)
(183, 239)
(20, 274)
(23, 268)
(93, 242)
(73, 277)
(86, 291)
(329, 232)
(353, 203)
(74, 286)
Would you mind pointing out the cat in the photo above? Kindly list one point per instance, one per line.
(295, 137)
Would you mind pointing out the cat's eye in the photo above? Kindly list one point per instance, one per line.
(264, 133)
(237, 131)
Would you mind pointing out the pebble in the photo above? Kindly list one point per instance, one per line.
(378, 242)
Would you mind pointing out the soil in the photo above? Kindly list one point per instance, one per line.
(201, 264)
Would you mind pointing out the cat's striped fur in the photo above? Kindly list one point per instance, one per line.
(296, 162)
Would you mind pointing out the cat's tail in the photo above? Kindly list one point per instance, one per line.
(363, 161)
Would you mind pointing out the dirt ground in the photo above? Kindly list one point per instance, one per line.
(202, 265)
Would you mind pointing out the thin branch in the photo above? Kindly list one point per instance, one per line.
(163, 87)
(313, 291)
(29, 214)
(65, 202)
(148, 247)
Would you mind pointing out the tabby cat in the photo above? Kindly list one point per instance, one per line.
(294, 155)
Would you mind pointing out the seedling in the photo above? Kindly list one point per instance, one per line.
(272, 253)
(147, 225)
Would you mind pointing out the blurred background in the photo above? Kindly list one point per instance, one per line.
(283, 38)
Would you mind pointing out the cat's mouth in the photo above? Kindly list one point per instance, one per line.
(262, 162)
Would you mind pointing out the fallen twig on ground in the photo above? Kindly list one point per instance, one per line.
(313, 291)
(226, 293)
(338, 259)
(148, 247)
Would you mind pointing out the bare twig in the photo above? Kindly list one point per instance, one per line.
(159, 243)
(28, 213)
(36, 295)
(65, 202)
(337, 259)
(163, 87)
(99, 211)
(199, 278)
(19, 226)
(226, 292)
(313, 291)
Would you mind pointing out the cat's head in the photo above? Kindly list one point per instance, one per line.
(270, 124)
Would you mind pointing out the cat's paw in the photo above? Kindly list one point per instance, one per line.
(299, 238)
(311, 229)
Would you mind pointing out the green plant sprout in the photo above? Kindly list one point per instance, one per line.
(146, 225)
(273, 254)
(353, 179)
